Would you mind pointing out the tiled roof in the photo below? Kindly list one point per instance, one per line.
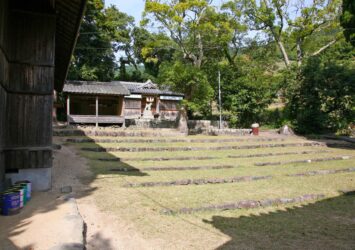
(116, 88)
(99, 88)
(148, 88)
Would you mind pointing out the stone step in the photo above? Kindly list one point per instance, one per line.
(246, 204)
(323, 172)
(183, 158)
(108, 140)
(198, 181)
(123, 169)
(277, 154)
(188, 158)
(162, 149)
(302, 161)
(120, 133)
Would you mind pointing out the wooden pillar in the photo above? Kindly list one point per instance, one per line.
(54, 111)
(123, 112)
(68, 109)
(158, 105)
(97, 111)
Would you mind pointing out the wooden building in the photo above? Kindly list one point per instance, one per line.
(95, 102)
(37, 38)
(147, 100)
(114, 102)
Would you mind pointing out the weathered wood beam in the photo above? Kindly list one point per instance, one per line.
(97, 111)
(123, 111)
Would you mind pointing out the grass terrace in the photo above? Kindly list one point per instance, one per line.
(225, 198)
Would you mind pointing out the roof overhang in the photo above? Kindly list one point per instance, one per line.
(69, 14)
(95, 88)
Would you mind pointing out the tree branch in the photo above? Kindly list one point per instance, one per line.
(324, 47)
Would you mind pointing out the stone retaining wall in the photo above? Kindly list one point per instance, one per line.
(161, 149)
(198, 181)
(247, 204)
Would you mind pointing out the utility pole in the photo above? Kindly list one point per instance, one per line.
(219, 99)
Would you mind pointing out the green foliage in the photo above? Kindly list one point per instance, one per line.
(246, 91)
(190, 81)
(347, 20)
(152, 49)
(323, 98)
(102, 33)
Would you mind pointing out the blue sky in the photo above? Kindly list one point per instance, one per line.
(131, 7)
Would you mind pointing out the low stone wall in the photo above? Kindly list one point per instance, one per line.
(212, 128)
(199, 181)
(247, 204)
(151, 123)
(205, 124)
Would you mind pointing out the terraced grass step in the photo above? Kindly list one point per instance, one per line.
(199, 181)
(119, 133)
(160, 158)
(171, 168)
(277, 154)
(188, 158)
(302, 161)
(246, 204)
(323, 172)
(170, 140)
(161, 149)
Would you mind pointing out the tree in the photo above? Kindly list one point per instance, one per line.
(192, 82)
(191, 24)
(347, 20)
(323, 99)
(119, 28)
(102, 33)
(152, 49)
(296, 22)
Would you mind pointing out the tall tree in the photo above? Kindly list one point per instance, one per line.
(292, 21)
(103, 32)
(191, 24)
(347, 20)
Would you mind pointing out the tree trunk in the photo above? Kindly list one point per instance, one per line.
(284, 53)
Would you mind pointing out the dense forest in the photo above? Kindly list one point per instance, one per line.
(280, 61)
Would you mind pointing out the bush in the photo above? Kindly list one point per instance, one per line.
(323, 98)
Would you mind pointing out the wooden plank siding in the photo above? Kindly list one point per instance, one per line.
(27, 45)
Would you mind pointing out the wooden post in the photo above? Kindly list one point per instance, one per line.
(68, 109)
(123, 112)
(158, 105)
(97, 111)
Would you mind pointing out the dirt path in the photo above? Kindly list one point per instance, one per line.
(104, 231)
(51, 219)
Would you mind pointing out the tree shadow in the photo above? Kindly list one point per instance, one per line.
(326, 224)
(335, 142)
(67, 174)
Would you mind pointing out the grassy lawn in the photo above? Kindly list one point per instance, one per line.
(326, 223)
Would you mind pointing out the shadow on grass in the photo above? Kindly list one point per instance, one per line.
(65, 173)
(332, 141)
(327, 224)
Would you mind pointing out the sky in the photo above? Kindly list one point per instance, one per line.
(131, 7)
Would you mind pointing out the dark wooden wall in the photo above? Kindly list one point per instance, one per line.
(133, 108)
(27, 48)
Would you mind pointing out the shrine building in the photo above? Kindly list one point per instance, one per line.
(91, 102)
